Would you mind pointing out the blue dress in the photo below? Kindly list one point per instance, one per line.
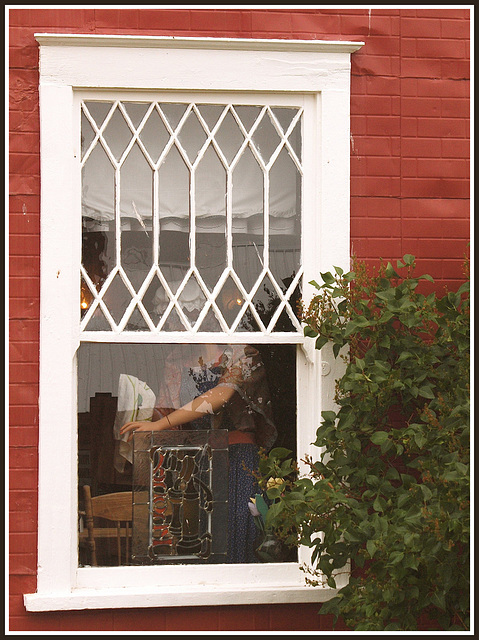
(243, 460)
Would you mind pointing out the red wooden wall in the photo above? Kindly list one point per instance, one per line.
(409, 194)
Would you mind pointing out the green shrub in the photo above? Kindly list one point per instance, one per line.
(390, 491)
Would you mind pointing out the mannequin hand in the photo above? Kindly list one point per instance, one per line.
(139, 425)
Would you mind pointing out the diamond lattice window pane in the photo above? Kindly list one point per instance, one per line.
(211, 113)
(248, 220)
(191, 300)
(248, 115)
(87, 134)
(98, 322)
(210, 322)
(136, 111)
(86, 297)
(154, 135)
(161, 202)
(230, 300)
(117, 298)
(156, 300)
(266, 300)
(174, 322)
(136, 321)
(295, 140)
(285, 116)
(285, 230)
(192, 136)
(210, 195)
(248, 322)
(266, 138)
(229, 137)
(136, 201)
(98, 253)
(173, 194)
(98, 111)
(117, 134)
(173, 113)
(98, 189)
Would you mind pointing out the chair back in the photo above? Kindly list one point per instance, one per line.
(116, 507)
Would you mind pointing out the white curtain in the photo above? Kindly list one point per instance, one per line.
(136, 200)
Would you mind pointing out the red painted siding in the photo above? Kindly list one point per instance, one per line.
(409, 194)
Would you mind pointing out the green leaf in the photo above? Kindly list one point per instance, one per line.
(391, 272)
(379, 437)
(371, 547)
(309, 332)
(420, 439)
(403, 498)
(426, 392)
(279, 452)
(320, 342)
(328, 278)
(379, 504)
(426, 277)
(261, 506)
(404, 355)
(336, 349)
(329, 416)
(386, 445)
(349, 277)
(330, 606)
(438, 600)
(395, 557)
(331, 582)
(426, 492)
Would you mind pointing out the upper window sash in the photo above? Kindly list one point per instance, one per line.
(260, 205)
(69, 63)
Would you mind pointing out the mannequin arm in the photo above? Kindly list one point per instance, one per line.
(209, 402)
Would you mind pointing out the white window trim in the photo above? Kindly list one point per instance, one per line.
(320, 69)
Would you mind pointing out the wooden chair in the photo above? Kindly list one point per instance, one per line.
(116, 507)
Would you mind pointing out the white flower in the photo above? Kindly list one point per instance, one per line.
(253, 508)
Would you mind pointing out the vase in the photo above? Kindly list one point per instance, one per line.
(270, 549)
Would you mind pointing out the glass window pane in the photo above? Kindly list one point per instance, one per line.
(222, 403)
(136, 111)
(229, 137)
(136, 213)
(174, 224)
(210, 220)
(248, 219)
(266, 138)
(98, 111)
(285, 233)
(117, 134)
(192, 136)
(98, 235)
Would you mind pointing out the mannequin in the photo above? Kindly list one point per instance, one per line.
(220, 386)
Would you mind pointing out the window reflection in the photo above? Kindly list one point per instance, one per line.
(121, 382)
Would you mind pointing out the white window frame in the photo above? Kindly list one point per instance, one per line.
(317, 70)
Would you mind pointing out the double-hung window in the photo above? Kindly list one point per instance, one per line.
(191, 188)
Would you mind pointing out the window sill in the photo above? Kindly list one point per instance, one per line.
(200, 595)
